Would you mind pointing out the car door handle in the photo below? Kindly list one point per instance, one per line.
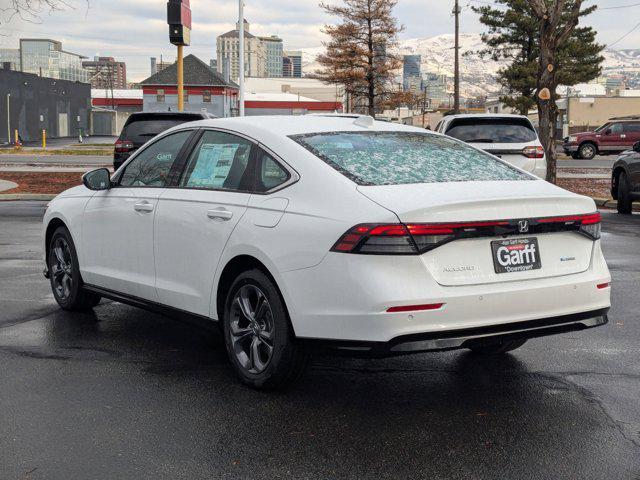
(223, 214)
(143, 207)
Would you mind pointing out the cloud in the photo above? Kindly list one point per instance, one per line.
(133, 31)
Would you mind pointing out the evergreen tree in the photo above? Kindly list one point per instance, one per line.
(514, 34)
(359, 54)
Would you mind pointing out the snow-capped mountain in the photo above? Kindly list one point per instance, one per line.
(478, 75)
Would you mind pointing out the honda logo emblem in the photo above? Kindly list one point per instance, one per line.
(523, 226)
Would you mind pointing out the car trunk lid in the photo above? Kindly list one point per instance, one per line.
(469, 261)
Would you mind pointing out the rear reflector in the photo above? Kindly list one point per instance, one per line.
(414, 308)
(602, 286)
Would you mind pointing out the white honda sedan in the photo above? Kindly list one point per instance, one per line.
(295, 233)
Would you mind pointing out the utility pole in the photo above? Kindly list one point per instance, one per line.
(456, 68)
(180, 80)
(241, 55)
(179, 20)
(8, 119)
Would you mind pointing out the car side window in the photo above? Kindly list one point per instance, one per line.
(270, 173)
(151, 167)
(632, 128)
(220, 161)
(616, 128)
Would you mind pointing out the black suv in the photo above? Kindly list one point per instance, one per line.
(142, 127)
(625, 179)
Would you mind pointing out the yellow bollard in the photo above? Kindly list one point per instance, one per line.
(44, 138)
(17, 139)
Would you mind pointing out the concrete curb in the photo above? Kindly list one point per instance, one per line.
(27, 196)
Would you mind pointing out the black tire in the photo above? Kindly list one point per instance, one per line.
(64, 274)
(261, 361)
(498, 348)
(587, 150)
(624, 194)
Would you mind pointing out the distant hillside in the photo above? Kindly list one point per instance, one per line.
(478, 76)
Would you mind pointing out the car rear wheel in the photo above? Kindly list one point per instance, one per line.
(587, 151)
(64, 274)
(258, 335)
(624, 194)
(497, 348)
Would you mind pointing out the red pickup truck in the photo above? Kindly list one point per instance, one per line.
(613, 137)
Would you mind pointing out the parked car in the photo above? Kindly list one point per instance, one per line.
(625, 179)
(613, 137)
(302, 232)
(510, 137)
(143, 126)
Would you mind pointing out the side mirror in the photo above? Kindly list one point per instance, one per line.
(636, 147)
(99, 179)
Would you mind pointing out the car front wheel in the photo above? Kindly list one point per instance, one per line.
(587, 151)
(624, 194)
(64, 274)
(258, 334)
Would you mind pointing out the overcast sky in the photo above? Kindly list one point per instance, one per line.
(134, 30)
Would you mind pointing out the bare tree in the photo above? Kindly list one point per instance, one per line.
(359, 53)
(31, 10)
(558, 19)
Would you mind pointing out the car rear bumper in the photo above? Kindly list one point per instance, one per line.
(464, 338)
(347, 297)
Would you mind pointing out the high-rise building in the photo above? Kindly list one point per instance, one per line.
(105, 72)
(158, 66)
(273, 48)
(255, 53)
(410, 70)
(287, 67)
(296, 62)
(46, 58)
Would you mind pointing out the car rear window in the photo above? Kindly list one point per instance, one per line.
(394, 158)
(492, 130)
(141, 131)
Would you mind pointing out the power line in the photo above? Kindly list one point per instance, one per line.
(624, 36)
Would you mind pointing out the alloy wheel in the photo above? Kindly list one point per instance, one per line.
(251, 328)
(61, 268)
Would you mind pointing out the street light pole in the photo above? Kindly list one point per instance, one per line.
(456, 67)
(8, 119)
(241, 55)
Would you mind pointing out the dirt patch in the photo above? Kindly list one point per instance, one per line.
(42, 182)
(591, 187)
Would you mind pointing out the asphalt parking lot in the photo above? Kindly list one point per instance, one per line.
(125, 394)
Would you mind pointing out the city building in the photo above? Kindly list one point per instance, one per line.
(436, 86)
(213, 64)
(158, 66)
(286, 104)
(36, 103)
(287, 67)
(105, 72)
(296, 63)
(111, 108)
(204, 89)
(305, 87)
(274, 51)
(228, 47)
(46, 58)
(410, 70)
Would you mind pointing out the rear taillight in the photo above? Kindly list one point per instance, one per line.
(409, 239)
(123, 146)
(588, 224)
(417, 238)
(533, 152)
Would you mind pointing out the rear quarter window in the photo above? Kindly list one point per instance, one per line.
(394, 158)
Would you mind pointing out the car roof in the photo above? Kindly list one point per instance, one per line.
(148, 115)
(484, 115)
(286, 125)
